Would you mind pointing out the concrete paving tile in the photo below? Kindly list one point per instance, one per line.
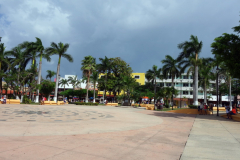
(31, 152)
(75, 156)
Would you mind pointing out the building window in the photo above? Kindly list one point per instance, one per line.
(168, 84)
(137, 77)
(191, 93)
(185, 77)
(191, 77)
(185, 84)
(169, 77)
(161, 84)
(185, 92)
(191, 85)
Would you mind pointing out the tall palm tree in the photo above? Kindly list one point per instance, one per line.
(105, 67)
(170, 68)
(94, 79)
(50, 74)
(205, 76)
(59, 49)
(3, 59)
(152, 75)
(38, 47)
(63, 82)
(88, 66)
(192, 47)
(19, 59)
(73, 81)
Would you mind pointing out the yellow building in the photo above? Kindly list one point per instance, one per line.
(139, 77)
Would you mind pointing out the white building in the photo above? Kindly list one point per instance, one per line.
(184, 84)
(70, 86)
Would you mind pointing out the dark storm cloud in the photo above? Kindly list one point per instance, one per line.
(140, 32)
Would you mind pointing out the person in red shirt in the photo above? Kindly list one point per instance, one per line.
(205, 108)
(233, 112)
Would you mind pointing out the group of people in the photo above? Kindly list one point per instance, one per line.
(203, 108)
(230, 111)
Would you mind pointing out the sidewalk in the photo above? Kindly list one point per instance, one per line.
(213, 138)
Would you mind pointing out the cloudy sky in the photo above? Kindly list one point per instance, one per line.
(141, 32)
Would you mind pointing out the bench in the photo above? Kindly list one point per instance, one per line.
(234, 117)
(12, 101)
(60, 103)
(149, 106)
(188, 111)
(219, 108)
(111, 104)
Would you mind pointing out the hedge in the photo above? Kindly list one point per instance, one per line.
(88, 104)
(193, 106)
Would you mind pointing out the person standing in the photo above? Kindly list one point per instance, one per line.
(227, 107)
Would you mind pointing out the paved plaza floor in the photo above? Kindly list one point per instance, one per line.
(112, 133)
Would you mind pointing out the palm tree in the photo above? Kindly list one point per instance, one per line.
(63, 82)
(38, 47)
(3, 59)
(94, 79)
(171, 67)
(104, 67)
(152, 75)
(88, 66)
(192, 47)
(50, 74)
(59, 49)
(19, 59)
(73, 81)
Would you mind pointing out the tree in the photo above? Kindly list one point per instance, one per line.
(129, 84)
(104, 67)
(192, 47)
(38, 47)
(59, 49)
(47, 87)
(19, 59)
(63, 82)
(94, 80)
(88, 66)
(226, 48)
(3, 58)
(170, 67)
(73, 81)
(152, 75)
(50, 74)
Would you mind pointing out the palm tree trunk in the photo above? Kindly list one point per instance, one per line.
(205, 92)
(87, 87)
(39, 78)
(56, 85)
(94, 92)
(195, 96)
(154, 93)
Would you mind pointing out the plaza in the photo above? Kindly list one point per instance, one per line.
(109, 133)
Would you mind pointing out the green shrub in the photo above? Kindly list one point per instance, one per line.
(88, 104)
(193, 106)
(26, 100)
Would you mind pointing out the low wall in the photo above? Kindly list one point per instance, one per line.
(188, 111)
